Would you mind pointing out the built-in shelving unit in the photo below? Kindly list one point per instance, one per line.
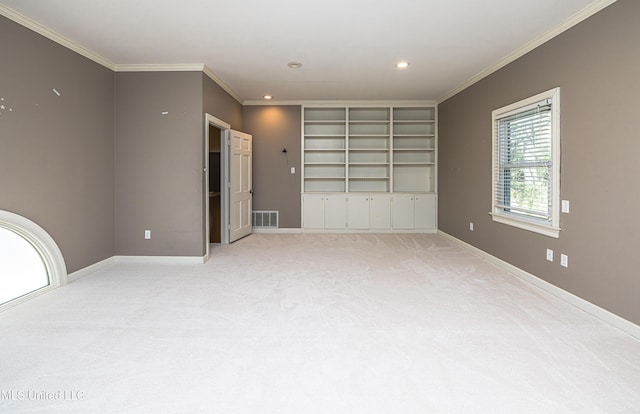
(414, 149)
(355, 157)
(324, 143)
(368, 147)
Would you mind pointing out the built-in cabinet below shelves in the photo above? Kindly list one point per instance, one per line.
(370, 212)
(369, 167)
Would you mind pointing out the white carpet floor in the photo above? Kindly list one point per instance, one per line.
(313, 323)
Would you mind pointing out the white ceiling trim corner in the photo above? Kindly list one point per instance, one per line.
(207, 71)
(31, 24)
(50, 34)
(528, 47)
(180, 67)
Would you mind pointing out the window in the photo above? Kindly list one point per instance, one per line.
(22, 269)
(30, 261)
(526, 163)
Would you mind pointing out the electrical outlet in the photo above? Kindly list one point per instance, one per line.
(293, 170)
(147, 234)
(471, 226)
(564, 260)
(550, 255)
(565, 206)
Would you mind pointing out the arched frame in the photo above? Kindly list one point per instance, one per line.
(46, 247)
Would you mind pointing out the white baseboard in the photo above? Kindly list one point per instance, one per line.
(160, 259)
(333, 231)
(72, 277)
(586, 306)
(369, 231)
(279, 231)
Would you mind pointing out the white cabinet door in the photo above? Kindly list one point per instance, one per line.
(369, 212)
(380, 211)
(335, 211)
(358, 211)
(313, 211)
(402, 211)
(425, 211)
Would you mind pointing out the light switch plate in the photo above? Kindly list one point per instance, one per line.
(565, 206)
(550, 255)
(564, 260)
(293, 170)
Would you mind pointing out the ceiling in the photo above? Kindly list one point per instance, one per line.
(348, 48)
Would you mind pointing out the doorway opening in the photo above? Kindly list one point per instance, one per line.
(215, 184)
(216, 211)
(227, 162)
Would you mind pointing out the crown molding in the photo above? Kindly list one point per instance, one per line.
(358, 103)
(207, 71)
(180, 67)
(578, 17)
(69, 44)
(151, 67)
(51, 35)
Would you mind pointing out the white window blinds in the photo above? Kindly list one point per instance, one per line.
(524, 161)
(526, 164)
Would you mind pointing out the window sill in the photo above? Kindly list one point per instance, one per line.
(527, 225)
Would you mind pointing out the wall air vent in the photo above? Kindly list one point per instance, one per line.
(265, 219)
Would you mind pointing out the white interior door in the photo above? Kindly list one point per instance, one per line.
(240, 187)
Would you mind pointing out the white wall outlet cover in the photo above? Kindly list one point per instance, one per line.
(550, 255)
(147, 234)
(471, 226)
(565, 206)
(293, 170)
(564, 260)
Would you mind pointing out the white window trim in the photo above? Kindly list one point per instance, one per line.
(553, 228)
(45, 246)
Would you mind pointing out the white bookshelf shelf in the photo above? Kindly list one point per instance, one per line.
(382, 149)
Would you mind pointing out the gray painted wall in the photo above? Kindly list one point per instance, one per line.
(160, 159)
(274, 187)
(217, 102)
(596, 64)
(56, 153)
(158, 163)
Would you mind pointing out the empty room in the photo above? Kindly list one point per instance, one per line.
(342, 207)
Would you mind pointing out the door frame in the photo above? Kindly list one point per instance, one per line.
(225, 128)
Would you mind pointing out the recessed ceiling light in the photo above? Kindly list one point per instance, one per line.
(268, 97)
(402, 65)
(294, 65)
